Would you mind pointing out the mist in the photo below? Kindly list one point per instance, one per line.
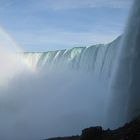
(43, 104)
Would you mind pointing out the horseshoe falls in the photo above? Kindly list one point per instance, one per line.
(97, 59)
(65, 91)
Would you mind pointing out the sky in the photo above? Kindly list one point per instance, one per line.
(44, 25)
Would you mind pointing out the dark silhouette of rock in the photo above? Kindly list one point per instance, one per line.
(66, 138)
(92, 133)
(130, 131)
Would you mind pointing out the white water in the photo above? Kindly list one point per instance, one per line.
(97, 59)
(124, 101)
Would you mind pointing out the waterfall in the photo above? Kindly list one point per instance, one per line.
(125, 82)
(97, 59)
(69, 92)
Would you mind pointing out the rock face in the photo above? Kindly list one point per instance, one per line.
(130, 131)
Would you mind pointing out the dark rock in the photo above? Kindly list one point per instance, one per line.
(66, 138)
(92, 133)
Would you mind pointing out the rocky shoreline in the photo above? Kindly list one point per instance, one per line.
(130, 131)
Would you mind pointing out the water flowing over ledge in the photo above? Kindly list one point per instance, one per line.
(97, 59)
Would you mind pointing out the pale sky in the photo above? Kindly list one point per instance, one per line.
(42, 25)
